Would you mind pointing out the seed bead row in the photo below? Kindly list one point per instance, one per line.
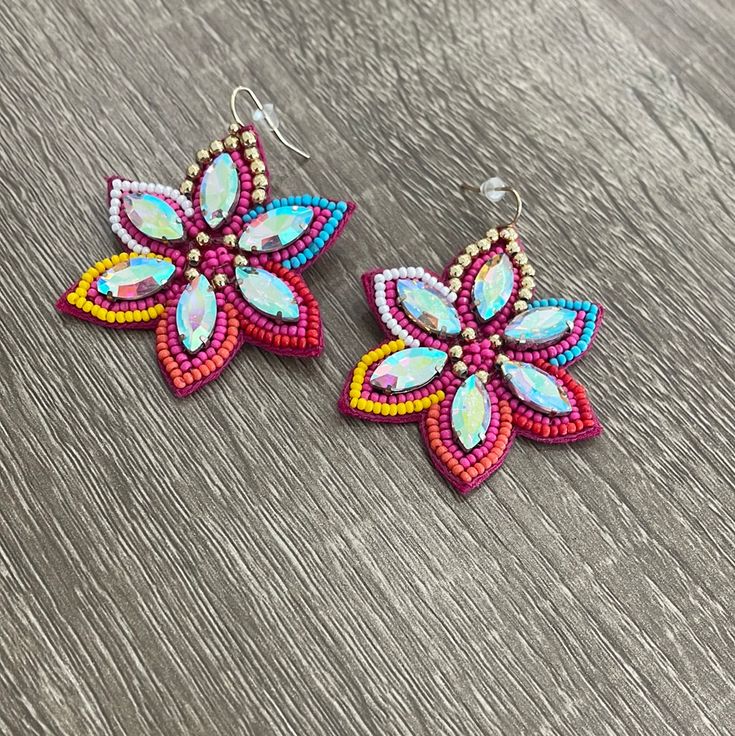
(79, 297)
(370, 406)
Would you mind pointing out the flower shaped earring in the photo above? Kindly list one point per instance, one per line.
(215, 263)
(474, 357)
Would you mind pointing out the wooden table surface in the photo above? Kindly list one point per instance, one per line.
(248, 561)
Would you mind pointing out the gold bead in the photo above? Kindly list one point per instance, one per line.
(454, 284)
(260, 181)
(203, 238)
(456, 271)
(528, 270)
(500, 359)
(258, 196)
(525, 294)
(194, 255)
(219, 281)
(251, 154)
(508, 233)
(203, 156)
(496, 341)
(193, 171)
(186, 187)
(521, 259)
(492, 235)
(469, 334)
(231, 143)
(229, 241)
(257, 167)
(464, 260)
(472, 250)
(240, 260)
(527, 282)
(233, 128)
(512, 247)
(459, 369)
(190, 274)
(248, 138)
(455, 352)
(484, 245)
(216, 147)
(520, 306)
(483, 376)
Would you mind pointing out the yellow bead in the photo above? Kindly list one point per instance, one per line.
(115, 259)
(393, 409)
(128, 316)
(385, 410)
(355, 393)
(137, 316)
(153, 312)
(111, 316)
(409, 407)
(102, 314)
(362, 365)
(87, 306)
(361, 404)
(353, 403)
(440, 395)
(144, 314)
(377, 408)
(368, 406)
(426, 402)
(95, 310)
(119, 317)
(108, 263)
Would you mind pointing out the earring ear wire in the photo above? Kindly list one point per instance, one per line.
(266, 113)
(495, 189)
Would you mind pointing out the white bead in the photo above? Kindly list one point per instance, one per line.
(125, 186)
(150, 188)
(411, 272)
(116, 183)
(387, 274)
(385, 317)
(433, 281)
(189, 212)
(379, 279)
(391, 323)
(452, 296)
(383, 309)
(419, 272)
(396, 330)
(394, 273)
(115, 194)
(492, 189)
(159, 189)
(116, 227)
(402, 272)
(114, 219)
(380, 288)
(145, 250)
(167, 191)
(125, 237)
(114, 209)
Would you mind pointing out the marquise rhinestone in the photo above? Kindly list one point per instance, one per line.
(428, 307)
(275, 229)
(136, 278)
(219, 191)
(408, 369)
(493, 286)
(536, 388)
(471, 413)
(540, 327)
(154, 217)
(196, 314)
(267, 293)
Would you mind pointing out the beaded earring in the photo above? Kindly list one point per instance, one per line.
(474, 357)
(213, 264)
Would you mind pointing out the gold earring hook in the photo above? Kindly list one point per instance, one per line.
(268, 114)
(495, 184)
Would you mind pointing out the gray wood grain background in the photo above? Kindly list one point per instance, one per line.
(247, 561)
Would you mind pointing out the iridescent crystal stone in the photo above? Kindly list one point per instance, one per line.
(220, 190)
(196, 314)
(408, 369)
(428, 307)
(153, 216)
(135, 278)
(275, 229)
(540, 326)
(267, 293)
(536, 388)
(471, 412)
(493, 286)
